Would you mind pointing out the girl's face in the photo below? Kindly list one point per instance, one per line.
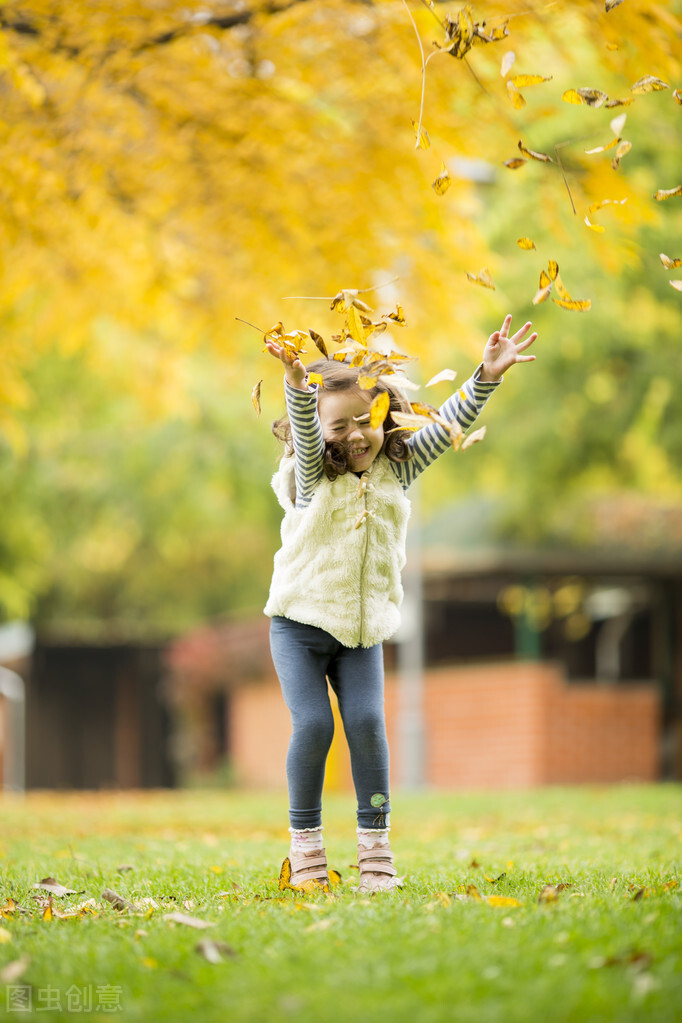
(344, 416)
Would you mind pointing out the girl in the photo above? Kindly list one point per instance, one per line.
(336, 589)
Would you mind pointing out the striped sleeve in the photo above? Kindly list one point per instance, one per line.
(433, 440)
(306, 434)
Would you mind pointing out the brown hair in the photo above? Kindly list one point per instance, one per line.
(340, 376)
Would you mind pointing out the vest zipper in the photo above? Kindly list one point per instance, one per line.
(365, 516)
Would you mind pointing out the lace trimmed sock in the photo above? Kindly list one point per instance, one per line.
(368, 839)
(306, 840)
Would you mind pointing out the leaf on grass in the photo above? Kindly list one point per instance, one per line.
(423, 140)
(589, 97)
(319, 342)
(623, 147)
(255, 397)
(48, 912)
(574, 304)
(482, 278)
(5, 936)
(50, 884)
(445, 374)
(378, 410)
(507, 62)
(116, 900)
(13, 970)
(548, 894)
(525, 243)
(594, 227)
(123, 868)
(475, 438)
(473, 892)
(442, 182)
(667, 193)
(503, 901)
(649, 83)
(534, 155)
(188, 921)
(602, 149)
(677, 285)
(518, 100)
(214, 951)
(515, 163)
(521, 81)
(10, 907)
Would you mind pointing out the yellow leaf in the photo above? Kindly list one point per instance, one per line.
(473, 892)
(474, 438)
(606, 202)
(334, 878)
(649, 83)
(445, 374)
(319, 343)
(534, 155)
(378, 410)
(442, 182)
(552, 270)
(667, 193)
(408, 421)
(483, 278)
(285, 875)
(525, 243)
(619, 102)
(561, 290)
(515, 96)
(669, 263)
(515, 163)
(274, 333)
(623, 147)
(590, 97)
(575, 305)
(316, 378)
(542, 294)
(610, 4)
(423, 140)
(521, 81)
(548, 894)
(356, 326)
(677, 95)
(602, 149)
(503, 901)
(255, 397)
(48, 913)
(398, 316)
(594, 227)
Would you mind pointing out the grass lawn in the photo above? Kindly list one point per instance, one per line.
(466, 939)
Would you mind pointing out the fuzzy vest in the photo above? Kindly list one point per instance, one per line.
(339, 564)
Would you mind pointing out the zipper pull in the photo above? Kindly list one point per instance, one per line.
(366, 514)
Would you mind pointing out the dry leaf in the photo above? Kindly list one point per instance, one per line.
(188, 921)
(667, 193)
(649, 83)
(606, 202)
(552, 270)
(48, 913)
(473, 892)
(214, 951)
(548, 894)
(610, 4)
(117, 901)
(423, 140)
(49, 884)
(521, 81)
(602, 149)
(525, 243)
(574, 304)
(503, 901)
(561, 290)
(507, 62)
(618, 123)
(314, 378)
(397, 317)
(619, 102)
(474, 438)
(378, 410)
(590, 97)
(319, 342)
(408, 421)
(515, 96)
(515, 163)
(543, 157)
(544, 288)
(445, 374)
(595, 227)
(255, 398)
(483, 278)
(669, 263)
(12, 971)
(677, 285)
(442, 182)
(677, 95)
(623, 147)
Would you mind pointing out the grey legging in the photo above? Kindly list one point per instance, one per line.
(304, 658)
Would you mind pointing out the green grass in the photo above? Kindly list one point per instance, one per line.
(427, 953)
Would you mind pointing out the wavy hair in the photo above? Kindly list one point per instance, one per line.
(341, 376)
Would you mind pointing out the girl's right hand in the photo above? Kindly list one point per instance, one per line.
(294, 370)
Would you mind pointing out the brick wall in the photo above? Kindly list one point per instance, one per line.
(503, 725)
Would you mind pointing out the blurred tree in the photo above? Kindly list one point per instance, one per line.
(165, 167)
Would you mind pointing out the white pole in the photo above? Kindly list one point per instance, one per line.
(14, 772)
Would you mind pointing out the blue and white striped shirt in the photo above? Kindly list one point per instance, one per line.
(426, 445)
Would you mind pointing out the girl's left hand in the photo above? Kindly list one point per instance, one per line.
(502, 351)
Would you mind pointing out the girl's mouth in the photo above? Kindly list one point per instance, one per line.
(359, 452)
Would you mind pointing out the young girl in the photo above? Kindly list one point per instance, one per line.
(336, 589)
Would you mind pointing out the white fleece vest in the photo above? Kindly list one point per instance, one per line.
(339, 564)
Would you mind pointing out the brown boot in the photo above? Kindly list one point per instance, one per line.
(377, 873)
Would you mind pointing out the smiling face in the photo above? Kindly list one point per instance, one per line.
(344, 416)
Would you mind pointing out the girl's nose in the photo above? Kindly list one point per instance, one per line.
(355, 433)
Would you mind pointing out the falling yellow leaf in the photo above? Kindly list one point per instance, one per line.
(667, 193)
(319, 342)
(545, 286)
(525, 243)
(606, 202)
(474, 438)
(423, 140)
(483, 278)
(442, 182)
(610, 4)
(677, 285)
(534, 155)
(669, 263)
(521, 81)
(507, 62)
(503, 901)
(575, 305)
(398, 316)
(445, 374)
(618, 123)
(552, 270)
(623, 147)
(408, 421)
(515, 163)
(677, 95)
(515, 96)
(378, 410)
(590, 97)
(255, 397)
(649, 83)
(561, 289)
(594, 227)
(602, 149)
(316, 378)
(625, 102)
(357, 325)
